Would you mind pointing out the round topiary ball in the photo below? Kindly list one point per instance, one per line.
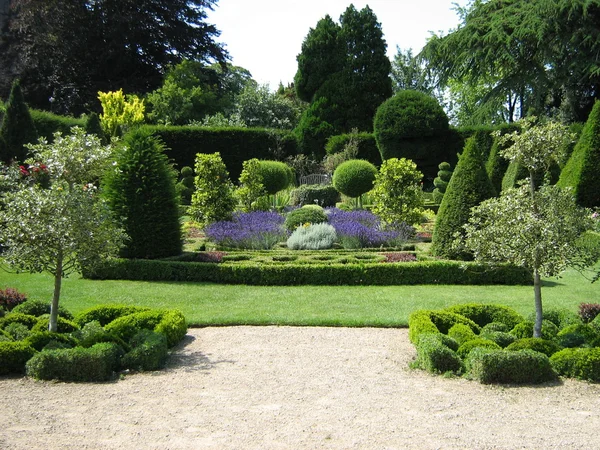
(408, 115)
(301, 216)
(276, 176)
(355, 177)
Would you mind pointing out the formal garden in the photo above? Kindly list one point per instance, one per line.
(120, 230)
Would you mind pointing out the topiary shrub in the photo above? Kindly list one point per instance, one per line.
(441, 181)
(17, 128)
(468, 187)
(17, 331)
(149, 351)
(185, 185)
(14, 355)
(496, 166)
(142, 193)
(582, 171)
(96, 363)
(40, 339)
(525, 330)
(414, 126)
(93, 333)
(483, 314)
(559, 317)
(496, 326)
(466, 348)
(355, 177)
(544, 346)
(105, 314)
(426, 321)
(173, 325)
(435, 356)
(461, 333)
(15, 317)
(301, 216)
(501, 366)
(311, 194)
(275, 176)
(577, 335)
(312, 237)
(39, 308)
(169, 322)
(366, 146)
(581, 363)
(502, 338)
(63, 325)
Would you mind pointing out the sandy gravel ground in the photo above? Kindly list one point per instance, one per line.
(296, 388)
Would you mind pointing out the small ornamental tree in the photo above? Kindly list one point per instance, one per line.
(582, 171)
(141, 190)
(468, 187)
(213, 199)
(119, 111)
(275, 176)
(17, 128)
(251, 187)
(397, 194)
(533, 228)
(65, 228)
(441, 181)
(354, 178)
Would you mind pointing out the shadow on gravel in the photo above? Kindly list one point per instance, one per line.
(190, 361)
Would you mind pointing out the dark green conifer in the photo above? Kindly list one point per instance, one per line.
(17, 127)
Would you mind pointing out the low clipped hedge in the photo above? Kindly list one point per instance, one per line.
(485, 314)
(149, 351)
(503, 366)
(581, 363)
(62, 325)
(97, 363)
(435, 353)
(419, 272)
(465, 349)
(171, 323)
(39, 308)
(105, 314)
(425, 321)
(14, 317)
(41, 339)
(544, 346)
(14, 355)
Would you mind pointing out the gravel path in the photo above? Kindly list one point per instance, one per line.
(295, 388)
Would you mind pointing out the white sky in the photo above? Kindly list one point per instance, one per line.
(265, 36)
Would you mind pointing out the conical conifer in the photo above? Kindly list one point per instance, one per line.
(17, 127)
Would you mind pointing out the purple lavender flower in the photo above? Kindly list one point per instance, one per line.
(254, 230)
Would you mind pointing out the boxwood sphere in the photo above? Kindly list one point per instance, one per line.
(355, 177)
(276, 176)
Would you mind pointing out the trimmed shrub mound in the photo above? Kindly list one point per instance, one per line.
(425, 321)
(502, 338)
(15, 317)
(97, 363)
(149, 351)
(63, 325)
(461, 333)
(301, 216)
(355, 177)
(502, 366)
(548, 348)
(465, 349)
(14, 355)
(171, 323)
(581, 363)
(578, 334)
(39, 308)
(310, 194)
(435, 355)
(40, 339)
(105, 314)
(525, 330)
(483, 315)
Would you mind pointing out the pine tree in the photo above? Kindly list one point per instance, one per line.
(17, 127)
(582, 171)
(468, 187)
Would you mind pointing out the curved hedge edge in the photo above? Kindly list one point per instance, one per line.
(424, 272)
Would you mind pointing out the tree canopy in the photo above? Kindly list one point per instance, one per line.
(66, 51)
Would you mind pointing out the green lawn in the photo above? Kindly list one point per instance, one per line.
(213, 304)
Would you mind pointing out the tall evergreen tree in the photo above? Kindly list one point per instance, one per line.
(468, 187)
(17, 127)
(344, 72)
(582, 171)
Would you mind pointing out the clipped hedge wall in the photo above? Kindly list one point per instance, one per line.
(581, 363)
(105, 314)
(435, 355)
(420, 272)
(46, 123)
(149, 351)
(235, 145)
(485, 314)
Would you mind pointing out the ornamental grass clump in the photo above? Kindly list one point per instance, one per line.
(312, 237)
(360, 229)
(258, 230)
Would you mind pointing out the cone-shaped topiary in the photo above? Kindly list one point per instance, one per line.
(582, 171)
(441, 181)
(142, 191)
(355, 177)
(496, 166)
(17, 127)
(468, 187)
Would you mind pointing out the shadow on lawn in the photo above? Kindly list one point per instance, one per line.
(187, 360)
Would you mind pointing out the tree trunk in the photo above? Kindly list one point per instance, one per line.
(537, 292)
(53, 325)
